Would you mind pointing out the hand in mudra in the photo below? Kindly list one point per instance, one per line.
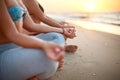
(69, 32)
(53, 51)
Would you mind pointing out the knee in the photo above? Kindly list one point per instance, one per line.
(57, 38)
(53, 37)
(57, 35)
(49, 71)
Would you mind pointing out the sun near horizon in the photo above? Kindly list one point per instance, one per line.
(90, 6)
(67, 6)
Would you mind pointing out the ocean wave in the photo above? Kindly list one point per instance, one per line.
(112, 18)
(109, 18)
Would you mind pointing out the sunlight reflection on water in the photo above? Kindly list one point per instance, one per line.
(108, 28)
(97, 26)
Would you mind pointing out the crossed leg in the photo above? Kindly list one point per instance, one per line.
(68, 48)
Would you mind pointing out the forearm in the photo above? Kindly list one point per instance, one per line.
(43, 28)
(35, 10)
(51, 22)
(10, 32)
(26, 41)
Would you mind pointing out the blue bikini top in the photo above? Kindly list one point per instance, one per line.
(17, 13)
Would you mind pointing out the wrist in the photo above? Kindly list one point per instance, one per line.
(62, 30)
(43, 45)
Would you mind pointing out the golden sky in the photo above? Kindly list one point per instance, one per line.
(60, 6)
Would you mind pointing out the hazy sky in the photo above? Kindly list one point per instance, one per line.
(80, 5)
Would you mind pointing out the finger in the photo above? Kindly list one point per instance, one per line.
(62, 48)
(55, 56)
(60, 56)
(59, 52)
(74, 35)
(59, 48)
(51, 56)
(71, 30)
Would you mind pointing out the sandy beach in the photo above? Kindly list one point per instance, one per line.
(98, 57)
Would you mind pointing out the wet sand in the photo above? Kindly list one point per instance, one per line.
(98, 57)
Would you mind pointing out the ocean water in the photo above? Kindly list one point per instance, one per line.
(105, 17)
(109, 18)
(106, 22)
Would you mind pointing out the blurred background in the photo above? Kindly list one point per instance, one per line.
(76, 6)
(75, 11)
(98, 38)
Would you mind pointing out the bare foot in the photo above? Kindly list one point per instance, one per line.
(33, 78)
(71, 48)
(61, 64)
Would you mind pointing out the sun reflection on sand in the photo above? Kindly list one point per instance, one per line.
(97, 26)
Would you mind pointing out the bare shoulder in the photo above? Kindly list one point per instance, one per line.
(5, 20)
(10, 3)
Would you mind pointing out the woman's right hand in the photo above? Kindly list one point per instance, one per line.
(69, 32)
(53, 51)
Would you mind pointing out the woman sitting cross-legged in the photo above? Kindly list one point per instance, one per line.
(38, 15)
(25, 57)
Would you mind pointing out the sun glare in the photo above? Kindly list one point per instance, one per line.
(90, 7)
